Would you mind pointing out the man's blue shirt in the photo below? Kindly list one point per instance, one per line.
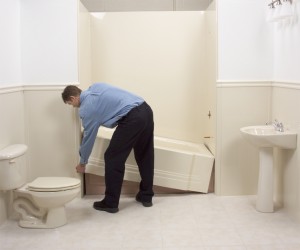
(102, 105)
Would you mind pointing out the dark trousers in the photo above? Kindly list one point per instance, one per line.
(134, 131)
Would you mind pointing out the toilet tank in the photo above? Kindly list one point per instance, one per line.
(13, 171)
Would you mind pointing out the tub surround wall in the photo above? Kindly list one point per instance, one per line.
(169, 59)
(160, 56)
(209, 119)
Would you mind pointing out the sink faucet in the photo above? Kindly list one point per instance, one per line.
(277, 125)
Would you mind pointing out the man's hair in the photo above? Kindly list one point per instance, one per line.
(69, 91)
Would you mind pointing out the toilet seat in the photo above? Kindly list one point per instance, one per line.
(53, 184)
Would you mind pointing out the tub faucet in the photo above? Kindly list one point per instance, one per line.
(277, 125)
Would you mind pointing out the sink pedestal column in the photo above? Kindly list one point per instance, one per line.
(264, 201)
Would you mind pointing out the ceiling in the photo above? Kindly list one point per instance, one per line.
(145, 5)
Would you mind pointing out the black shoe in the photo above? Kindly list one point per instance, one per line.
(145, 203)
(100, 205)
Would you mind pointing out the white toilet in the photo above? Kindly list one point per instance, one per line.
(41, 202)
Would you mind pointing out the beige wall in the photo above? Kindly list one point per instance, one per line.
(12, 116)
(210, 90)
(162, 57)
(52, 133)
(240, 104)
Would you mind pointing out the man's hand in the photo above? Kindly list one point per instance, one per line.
(80, 168)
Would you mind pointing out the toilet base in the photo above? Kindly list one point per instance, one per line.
(56, 217)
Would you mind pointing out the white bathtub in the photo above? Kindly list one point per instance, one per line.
(178, 164)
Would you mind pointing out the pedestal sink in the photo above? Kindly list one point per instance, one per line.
(266, 138)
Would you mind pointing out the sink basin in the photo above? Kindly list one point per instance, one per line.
(267, 136)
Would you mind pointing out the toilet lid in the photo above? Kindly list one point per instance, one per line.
(52, 184)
